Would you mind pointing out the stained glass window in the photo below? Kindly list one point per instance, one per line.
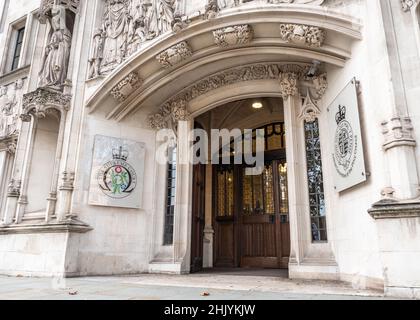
(315, 182)
(170, 198)
(258, 193)
(225, 190)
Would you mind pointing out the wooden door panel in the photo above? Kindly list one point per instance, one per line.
(225, 246)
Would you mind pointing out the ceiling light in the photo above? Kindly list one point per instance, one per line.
(257, 105)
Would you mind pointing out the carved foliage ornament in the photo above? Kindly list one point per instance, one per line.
(303, 35)
(288, 76)
(408, 4)
(398, 132)
(174, 54)
(235, 35)
(126, 87)
(40, 101)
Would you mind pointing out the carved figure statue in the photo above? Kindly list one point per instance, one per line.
(57, 52)
(98, 53)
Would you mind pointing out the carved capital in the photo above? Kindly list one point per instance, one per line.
(398, 132)
(169, 115)
(303, 35)
(126, 87)
(232, 36)
(175, 54)
(288, 84)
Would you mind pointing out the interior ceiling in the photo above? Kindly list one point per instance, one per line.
(241, 114)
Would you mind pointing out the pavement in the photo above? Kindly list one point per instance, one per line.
(209, 285)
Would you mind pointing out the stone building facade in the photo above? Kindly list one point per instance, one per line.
(86, 88)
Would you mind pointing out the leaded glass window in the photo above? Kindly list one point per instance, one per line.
(170, 197)
(258, 193)
(225, 191)
(315, 182)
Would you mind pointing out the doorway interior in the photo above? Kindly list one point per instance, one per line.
(249, 213)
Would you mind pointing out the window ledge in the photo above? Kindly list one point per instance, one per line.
(394, 209)
(71, 226)
(14, 75)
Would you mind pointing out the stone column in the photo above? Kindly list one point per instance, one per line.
(399, 143)
(208, 228)
(14, 185)
(292, 105)
(183, 208)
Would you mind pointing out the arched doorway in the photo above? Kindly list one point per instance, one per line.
(249, 214)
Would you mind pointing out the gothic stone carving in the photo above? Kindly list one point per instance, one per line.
(235, 3)
(302, 35)
(174, 54)
(57, 52)
(310, 111)
(40, 101)
(235, 35)
(407, 4)
(10, 104)
(169, 115)
(47, 6)
(126, 87)
(126, 25)
(212, 9)
(288, 76)
(398, 132)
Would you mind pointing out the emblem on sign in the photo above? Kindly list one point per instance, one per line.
(345, 144)
(117, 178)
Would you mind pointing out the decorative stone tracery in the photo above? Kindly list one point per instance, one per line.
(40, 101)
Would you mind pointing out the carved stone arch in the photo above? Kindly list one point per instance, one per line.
(195, 53)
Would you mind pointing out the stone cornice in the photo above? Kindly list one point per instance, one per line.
(394, 209)
(72, 226)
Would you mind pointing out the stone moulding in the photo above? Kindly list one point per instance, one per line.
(126, 87)
(394, 209)
(73, 226)
(303, 35)
(174, 55)
(287, 75)
(232, 36)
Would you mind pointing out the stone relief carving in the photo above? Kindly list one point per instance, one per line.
(288, 75)
(408, 4)
(46, 6)
(67, 181)
(10, 104)
(127, 25)
(174, 54)
(302, 35)
(398, 132)
(57, 52)
(44, 101)
(13, 189)
(126, 86)
(235, 35)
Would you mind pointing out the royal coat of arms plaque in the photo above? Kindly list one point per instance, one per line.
(346, 139)
(117, 173)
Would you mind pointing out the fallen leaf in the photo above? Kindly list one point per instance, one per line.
(205, 294)
(73, 293)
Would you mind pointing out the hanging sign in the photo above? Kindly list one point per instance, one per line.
(346, 139)
(117, 173)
